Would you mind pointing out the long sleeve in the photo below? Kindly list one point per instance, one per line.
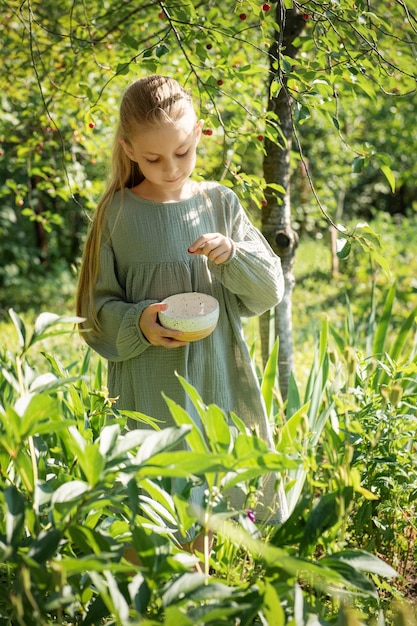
(253, 272)
(120, 337)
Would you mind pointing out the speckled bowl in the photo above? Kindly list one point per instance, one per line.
(195, 314)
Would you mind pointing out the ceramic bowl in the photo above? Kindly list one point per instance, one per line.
(194, 314)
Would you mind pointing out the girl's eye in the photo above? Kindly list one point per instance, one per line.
(179, 156)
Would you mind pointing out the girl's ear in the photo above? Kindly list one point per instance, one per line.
(198, 129)
(128, 150)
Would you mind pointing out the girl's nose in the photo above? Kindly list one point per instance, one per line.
(170, 166)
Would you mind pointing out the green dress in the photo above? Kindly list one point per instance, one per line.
(144, 259)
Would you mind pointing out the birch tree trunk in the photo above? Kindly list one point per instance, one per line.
(276, 215)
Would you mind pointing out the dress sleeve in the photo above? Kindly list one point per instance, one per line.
(119, 337)
(253, 272)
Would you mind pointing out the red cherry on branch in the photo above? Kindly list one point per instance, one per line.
(266, 7)
(242, 16)
(207, 131)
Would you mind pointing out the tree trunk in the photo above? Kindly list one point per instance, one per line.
(276, 215)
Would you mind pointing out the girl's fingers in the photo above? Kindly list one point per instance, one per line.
(156, 334)
(215, 246)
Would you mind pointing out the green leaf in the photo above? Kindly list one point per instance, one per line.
(70, 491)
(217, 429)
(130, 42)
(286, 63)
(15, 516)
(319, 381)
(292, 427)
(122, 69)
(158, 494)
(92, 463)
(131, 439)
(161, 50)
(324, 338)
(87, 540)
(174, 615)
(49, 382)
(108, 439)
(276, 187)
(40, 411)
(395, 350)
(293, 397)
(353, 577)
(270, 377)
(384, 322)
(182, 587)
(161, 441)
(327, 513)
(158, 513)
(24, 468)
(141, 594)
(45, 545)
(400, 340)
(240, 424)
(120, 605)
(367, 233)
(389, 175)
(358, 164)
(46, 321)
(344, 247)
(91, 563)
(43, 322)
(365, 562)
(195, 438)
(20, 328)
(275, 88)
(381, 261)
(271, 607)
(185, 464)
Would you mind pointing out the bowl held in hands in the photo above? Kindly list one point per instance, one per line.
(194, 314)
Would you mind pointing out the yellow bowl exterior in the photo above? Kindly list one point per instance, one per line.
(197, 334)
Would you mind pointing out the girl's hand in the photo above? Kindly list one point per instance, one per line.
(214, 246)
(156, 334)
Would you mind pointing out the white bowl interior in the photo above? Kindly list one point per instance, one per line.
(190, 312)
(188, 305)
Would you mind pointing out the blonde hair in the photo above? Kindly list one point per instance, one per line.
(149, 101)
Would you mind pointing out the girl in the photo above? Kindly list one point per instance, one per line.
(157, 232)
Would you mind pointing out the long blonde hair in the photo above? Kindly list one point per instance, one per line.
(147, 102)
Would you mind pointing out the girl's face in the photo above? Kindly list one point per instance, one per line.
(166, 156)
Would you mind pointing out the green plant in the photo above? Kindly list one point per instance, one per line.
(371, 436)
(80, 494)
